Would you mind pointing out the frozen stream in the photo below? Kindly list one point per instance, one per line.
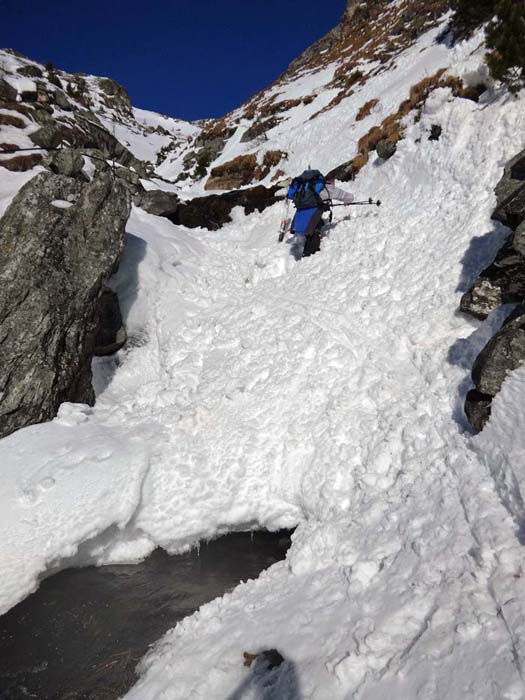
(83, 632)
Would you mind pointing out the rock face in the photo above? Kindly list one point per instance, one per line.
(157, 202)
(213, 211)
(343, 172)
(67, 161)
(502, 354)
(7, 92)
(61, 238)
(259, 128)
(503, 282)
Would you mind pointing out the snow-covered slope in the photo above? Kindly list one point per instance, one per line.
(316, 100)
(261, 391)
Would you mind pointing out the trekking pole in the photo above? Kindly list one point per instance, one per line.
(284, 222)
(368, 203)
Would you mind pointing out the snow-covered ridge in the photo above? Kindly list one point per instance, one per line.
(146, 134)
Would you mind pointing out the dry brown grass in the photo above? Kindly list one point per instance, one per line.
(217, 130)
(369, 141)
(235, 173)
(16, 107)
(391, 129)
(20, 164)
(366, 109)
(270, 160)
(241, 164)
(277, 107)
(11, 120)
(9, 147)
(250, 111)
(269, 107)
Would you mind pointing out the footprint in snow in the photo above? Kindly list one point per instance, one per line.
(45, 484)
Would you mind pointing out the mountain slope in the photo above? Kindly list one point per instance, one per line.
(258, 391)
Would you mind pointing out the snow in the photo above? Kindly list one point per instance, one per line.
(260, 391)
(141, 137)
(61, 204)
(332, 136)
(89, 167)
(11, 183)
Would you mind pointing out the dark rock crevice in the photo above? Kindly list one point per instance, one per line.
(214, 211)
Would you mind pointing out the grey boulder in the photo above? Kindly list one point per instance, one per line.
(61, 238)
(62, 101)
(68, 162)
(502, 354)
(502, 282)
(157, 202)
(385, 149)
(48, 136)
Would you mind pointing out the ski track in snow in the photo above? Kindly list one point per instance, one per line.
(257, 391)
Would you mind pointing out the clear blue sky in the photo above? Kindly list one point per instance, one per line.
(187, 58)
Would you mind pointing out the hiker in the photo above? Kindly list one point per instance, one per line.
(312, 196)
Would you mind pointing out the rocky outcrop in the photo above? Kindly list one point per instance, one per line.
(259, 128)
(157, 202)
(213, 211)
(61, 238)
(207, 147)
(61, 101)
(364, 27)
(502, 282)
(344, 172)
(115, 96)
(67, 161)
(46, 137)
(30, 71)
(502, 354)
(7, 91)
(385, 149)
(244, 170)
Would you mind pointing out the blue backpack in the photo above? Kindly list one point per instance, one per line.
(305, 190)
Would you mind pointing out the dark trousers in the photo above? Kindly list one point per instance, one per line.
(313, 234)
